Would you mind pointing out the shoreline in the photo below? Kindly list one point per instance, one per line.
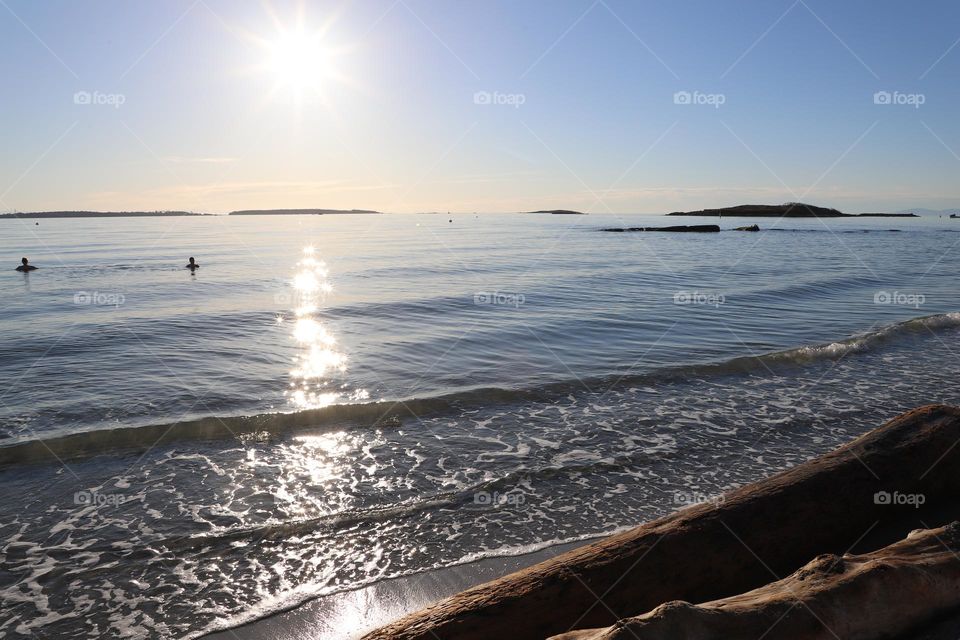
(857, 544)
(336, 616)
(684, 573)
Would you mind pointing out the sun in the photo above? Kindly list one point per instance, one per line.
(299, 61)
(303, 61)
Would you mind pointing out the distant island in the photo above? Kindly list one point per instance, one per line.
(786, 210)
(297, 212)
(560, 212)
(99, 214)
(943, 213)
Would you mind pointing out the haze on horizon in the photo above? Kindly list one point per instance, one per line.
(423, 105)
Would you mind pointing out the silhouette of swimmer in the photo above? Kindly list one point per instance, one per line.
(26, 266)
(192, 265)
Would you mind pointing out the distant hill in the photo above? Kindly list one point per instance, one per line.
(560, 212)
(786, 210)
(99, 214)
(297, 212)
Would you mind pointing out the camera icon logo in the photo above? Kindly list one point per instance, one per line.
(482, 97)
(682, 97)
(82, 97)
(882, 97)
(881, 497)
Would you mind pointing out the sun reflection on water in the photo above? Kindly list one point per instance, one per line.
(319, 364)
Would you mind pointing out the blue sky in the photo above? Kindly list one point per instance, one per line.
(423, 105)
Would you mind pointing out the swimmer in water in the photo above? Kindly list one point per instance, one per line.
(192, 265)
(26, 266)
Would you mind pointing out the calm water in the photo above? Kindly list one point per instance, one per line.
(446, 391)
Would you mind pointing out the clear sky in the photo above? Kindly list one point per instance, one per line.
(465, 105)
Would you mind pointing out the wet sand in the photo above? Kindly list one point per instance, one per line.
(350, 614)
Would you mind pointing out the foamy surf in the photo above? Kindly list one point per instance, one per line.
(242, 529)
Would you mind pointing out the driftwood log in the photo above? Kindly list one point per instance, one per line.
(857, 494)
(854, 597)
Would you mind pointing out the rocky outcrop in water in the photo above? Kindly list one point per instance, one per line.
(866, 494)
(696, 228)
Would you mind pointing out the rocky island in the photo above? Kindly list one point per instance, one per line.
(560, 212)
(786, 210)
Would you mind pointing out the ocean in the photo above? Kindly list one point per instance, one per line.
(332, 401)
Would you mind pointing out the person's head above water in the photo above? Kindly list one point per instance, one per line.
(192, 264)
(25, 265)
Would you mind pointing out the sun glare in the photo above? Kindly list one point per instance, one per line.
(318, 365)
(298, 60)
(303, 59)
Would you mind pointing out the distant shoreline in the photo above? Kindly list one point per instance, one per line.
(788, 210)
(35, 215)
(101, 214)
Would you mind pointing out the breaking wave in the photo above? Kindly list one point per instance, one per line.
(392, 413)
